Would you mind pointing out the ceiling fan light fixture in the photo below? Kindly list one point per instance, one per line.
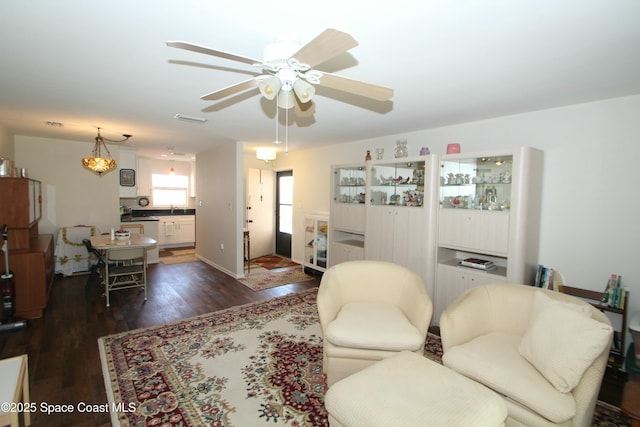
(304, 90)
(270, 87)
(286, 99)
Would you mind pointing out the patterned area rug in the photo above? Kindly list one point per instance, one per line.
(258, 282)
(253, 365)
(271, 262)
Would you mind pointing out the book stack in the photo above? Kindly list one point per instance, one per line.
(614, 293)
(477, 263)
(548, 278)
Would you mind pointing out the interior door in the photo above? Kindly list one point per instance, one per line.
(284, 212)
(260, 211)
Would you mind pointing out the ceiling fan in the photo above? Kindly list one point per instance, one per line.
(287, 71)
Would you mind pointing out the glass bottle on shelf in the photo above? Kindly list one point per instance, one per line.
(476, 183)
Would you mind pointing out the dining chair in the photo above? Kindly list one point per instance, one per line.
(97, 264)
(131, 227)
(125, 268)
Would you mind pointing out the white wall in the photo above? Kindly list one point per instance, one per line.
(72, 195)
(6, 143)
(590, 200)
(219, 210)
(589, 207)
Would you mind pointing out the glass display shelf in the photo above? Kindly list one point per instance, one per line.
(349, 184)
(315, 251)
(397, 184)
(482, 183)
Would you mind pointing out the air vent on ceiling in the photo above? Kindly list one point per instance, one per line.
(191, 119)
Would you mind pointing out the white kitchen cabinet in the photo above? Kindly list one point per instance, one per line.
(489, 209)
(151, 230)
(144, 177)
(127, 160)
(176, 230)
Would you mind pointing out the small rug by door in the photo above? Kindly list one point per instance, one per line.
(271, 262)
(260, 281)
(178, 255)
(254, 365)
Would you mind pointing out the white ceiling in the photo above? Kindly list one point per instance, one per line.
(105, 64)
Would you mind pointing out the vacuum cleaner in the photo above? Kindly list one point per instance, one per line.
(8, 286)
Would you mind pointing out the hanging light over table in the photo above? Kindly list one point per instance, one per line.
(98, 164)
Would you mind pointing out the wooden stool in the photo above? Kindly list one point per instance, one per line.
(14, 391)
(631, 402)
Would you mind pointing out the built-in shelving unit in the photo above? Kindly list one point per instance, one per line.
(489, 208)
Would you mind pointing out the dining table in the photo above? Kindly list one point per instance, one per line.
(103, 242)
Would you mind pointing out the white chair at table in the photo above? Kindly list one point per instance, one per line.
(125, 268)
(70, 252)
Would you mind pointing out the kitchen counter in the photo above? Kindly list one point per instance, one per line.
(154, 214)
(129, 218)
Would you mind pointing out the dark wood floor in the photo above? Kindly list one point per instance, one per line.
(64, 363)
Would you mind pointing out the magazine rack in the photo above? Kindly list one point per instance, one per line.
(616, 356)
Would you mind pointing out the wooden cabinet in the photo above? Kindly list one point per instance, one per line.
(20, 209)
(33, 270)
(30, 255)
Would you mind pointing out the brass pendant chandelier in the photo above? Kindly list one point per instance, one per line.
(98, 164)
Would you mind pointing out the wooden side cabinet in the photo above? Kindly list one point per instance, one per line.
(33, 270)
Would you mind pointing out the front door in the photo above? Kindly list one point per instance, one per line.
(284, 212)
(260, 208)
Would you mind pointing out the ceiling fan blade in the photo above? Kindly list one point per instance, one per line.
(326, 45)
(208, 51)
(379, 93)
(230, 90)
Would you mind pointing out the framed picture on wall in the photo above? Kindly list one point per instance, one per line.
(127, 178)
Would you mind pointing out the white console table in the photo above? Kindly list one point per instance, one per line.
(14, 391)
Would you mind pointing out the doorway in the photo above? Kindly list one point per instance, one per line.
(284, 212)
(260, 211)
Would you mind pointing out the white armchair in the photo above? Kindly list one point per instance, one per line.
(544, 351)
(370, 310)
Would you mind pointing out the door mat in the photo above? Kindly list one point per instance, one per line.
(268, 280)
(271, 262)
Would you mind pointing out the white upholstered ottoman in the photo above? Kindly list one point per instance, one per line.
(410, 390)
